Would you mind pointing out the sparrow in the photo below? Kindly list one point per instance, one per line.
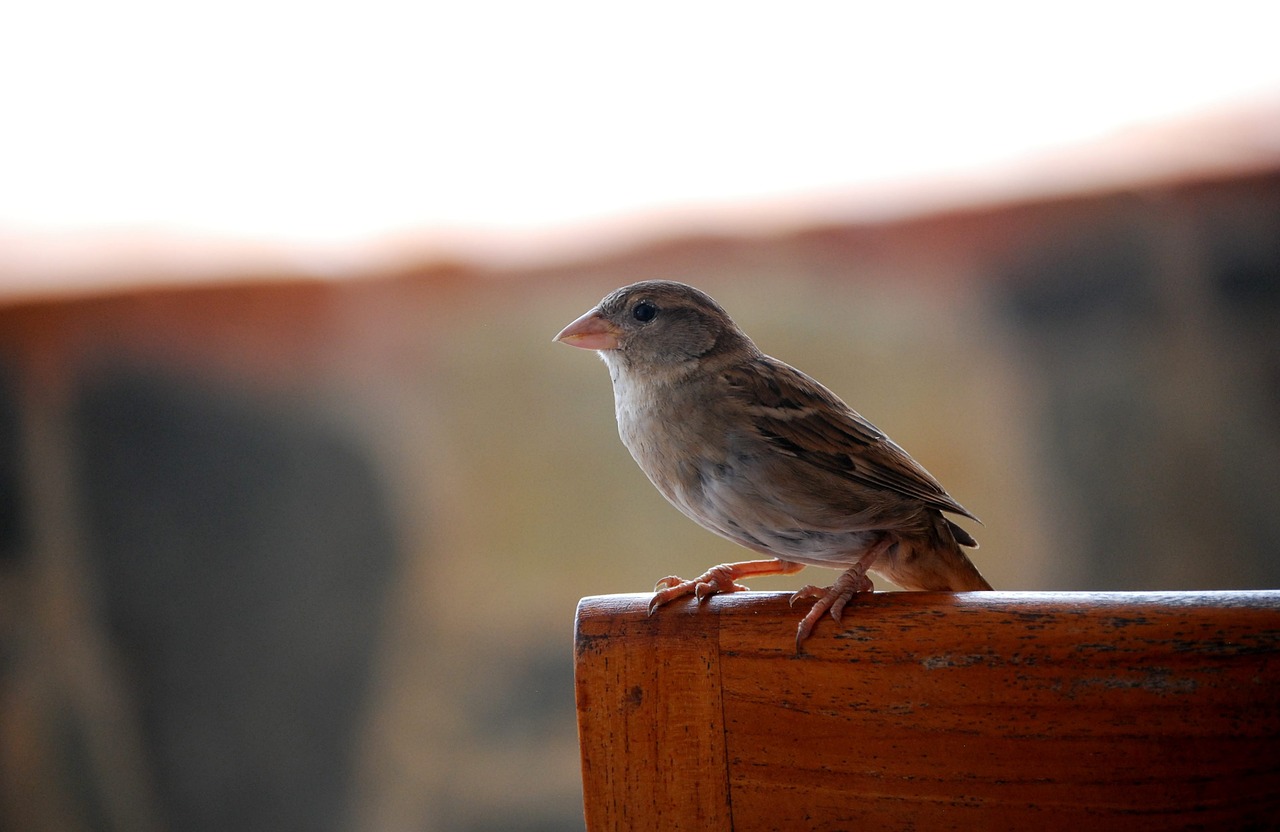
(756, 451)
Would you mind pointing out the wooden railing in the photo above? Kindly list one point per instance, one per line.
(991, 711)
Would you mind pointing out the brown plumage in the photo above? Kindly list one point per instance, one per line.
(760, 453)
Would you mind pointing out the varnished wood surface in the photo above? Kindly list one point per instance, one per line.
(1040, 711)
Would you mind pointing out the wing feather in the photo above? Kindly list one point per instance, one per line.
(804, 419)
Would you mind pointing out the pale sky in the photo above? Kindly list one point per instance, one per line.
(323, 122)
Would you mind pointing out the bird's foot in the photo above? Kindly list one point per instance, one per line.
(832, 599)
(721, 578)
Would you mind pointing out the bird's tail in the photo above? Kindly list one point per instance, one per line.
(965, 573)
(935, 561)
(966, 577)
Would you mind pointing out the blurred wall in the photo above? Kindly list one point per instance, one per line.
(305, 556)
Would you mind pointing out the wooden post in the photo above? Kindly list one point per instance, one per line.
(1042, 711)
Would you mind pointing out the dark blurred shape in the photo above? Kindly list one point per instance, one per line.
(1154, 330)
(12, 504)
(242, 551)
(1085, 280)
(1244, 255)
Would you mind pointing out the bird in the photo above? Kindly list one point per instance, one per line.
(762, 454)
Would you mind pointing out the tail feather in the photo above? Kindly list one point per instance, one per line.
(963, 575)
(962, 537)
(933, 562)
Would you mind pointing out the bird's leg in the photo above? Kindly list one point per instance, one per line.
(834, 598)
(721, 578)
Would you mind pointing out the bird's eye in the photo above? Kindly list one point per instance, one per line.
(644, 311)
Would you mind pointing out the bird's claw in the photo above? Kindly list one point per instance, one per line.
(832, 600)
(715, 580)
(807, 593)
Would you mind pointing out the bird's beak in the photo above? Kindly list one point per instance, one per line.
(590, 332)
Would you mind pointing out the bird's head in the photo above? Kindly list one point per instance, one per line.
(655, 324)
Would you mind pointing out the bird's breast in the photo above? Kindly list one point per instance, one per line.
(671, 439)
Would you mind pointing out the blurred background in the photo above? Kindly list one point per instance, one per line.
(297, 497)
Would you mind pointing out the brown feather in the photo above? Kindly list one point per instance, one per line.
(806, 420)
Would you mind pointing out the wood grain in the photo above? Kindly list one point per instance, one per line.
(1074, 711)
(649, 687)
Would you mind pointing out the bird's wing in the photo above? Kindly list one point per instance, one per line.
(804, 419)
